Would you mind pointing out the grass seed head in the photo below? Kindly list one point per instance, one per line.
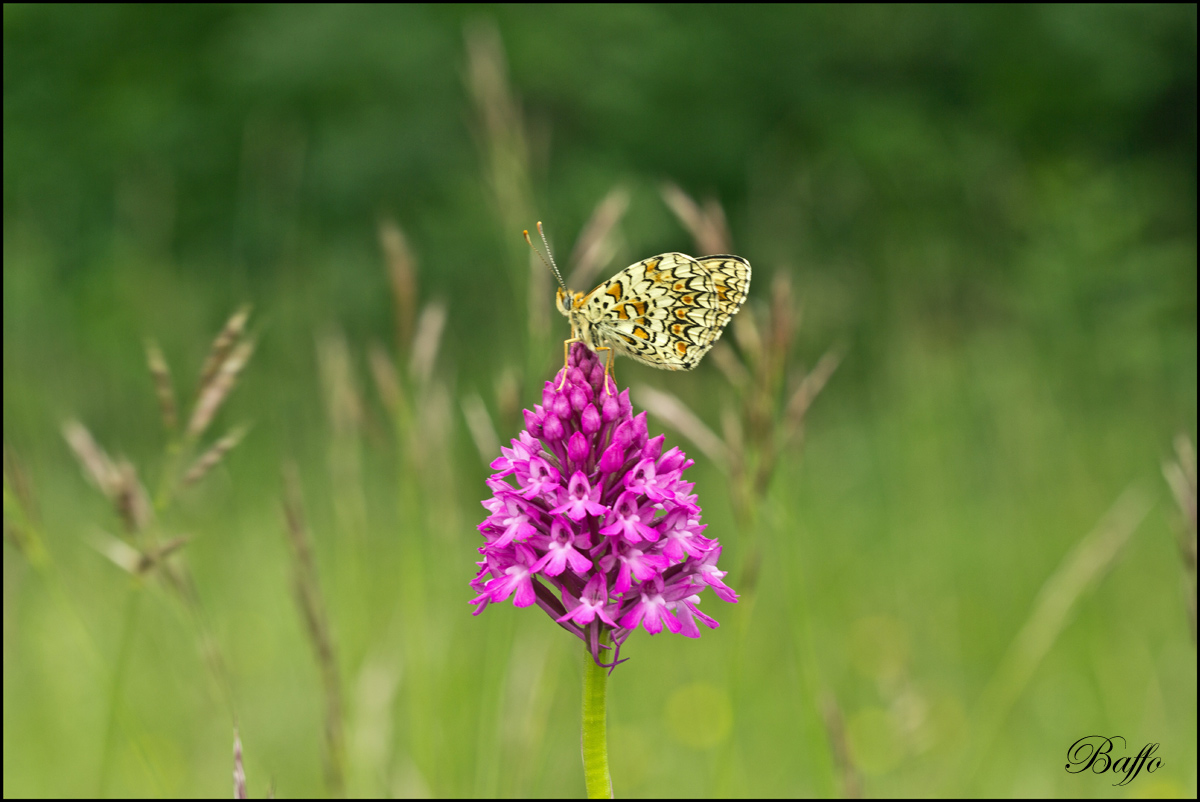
(426, 342)
(94, 460)
(239, 772)
(226, 338)
(213, 456)
(597, 244)
(402, 276)
(707, 225)
(217, 389)
(163, 388)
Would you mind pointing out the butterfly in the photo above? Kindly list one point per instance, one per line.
(666, 311)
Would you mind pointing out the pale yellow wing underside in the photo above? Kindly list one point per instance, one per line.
(668, 310)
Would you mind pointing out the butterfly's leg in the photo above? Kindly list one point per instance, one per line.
(566, 360)
(608, 363)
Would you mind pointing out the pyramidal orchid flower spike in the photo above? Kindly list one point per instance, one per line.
(590, 521)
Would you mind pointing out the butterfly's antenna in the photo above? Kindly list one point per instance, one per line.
(551, 264)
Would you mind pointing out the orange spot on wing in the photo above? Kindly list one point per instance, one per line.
(615, 291)
(642, 333)
(681, 347)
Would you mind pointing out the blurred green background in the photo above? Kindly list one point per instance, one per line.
(989, 212)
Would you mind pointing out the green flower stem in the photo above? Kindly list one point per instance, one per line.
(595, 728)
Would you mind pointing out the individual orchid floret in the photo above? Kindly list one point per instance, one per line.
(561, 551)
(517, 577)
(628, 520)
(582, 499)
(591, 605)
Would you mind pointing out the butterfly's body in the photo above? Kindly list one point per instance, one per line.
(666, 311)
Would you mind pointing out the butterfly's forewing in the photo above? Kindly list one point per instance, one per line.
(668, 310)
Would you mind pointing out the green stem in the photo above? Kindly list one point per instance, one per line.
(595, 729)
(114, 700)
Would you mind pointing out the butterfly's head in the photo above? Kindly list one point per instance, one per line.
(567, 301)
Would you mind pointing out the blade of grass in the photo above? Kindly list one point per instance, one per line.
(316, 624)
(1079, 571)
(673, 412)
(128, 627)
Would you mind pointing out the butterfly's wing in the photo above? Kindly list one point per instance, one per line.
(731, 283)
(668, 310)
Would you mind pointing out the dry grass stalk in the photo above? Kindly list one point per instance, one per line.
(781, 328)
(342, 400)
(487, 79)
(131, 500)
(1078, 572)
(430, 450)
(20, 512)
(426, 342)
(117, 481)
(727, 362)
(120, 553)
(505, 147)
(345, 410)
(387, 381)
(371, 736)
(226, 338)
(97, 467)
(418, 406)
(316, 623)
(500, 115)
(538, 316)
(707, 225)
(214, 392)
(134, 561)
(597, 243)
(748, 338)
(810, 387)
(735, 441)
(213, 456)
(717, 238)
(16, 482)
(402, 276)
(508, 396)
(1181, 476)
(163, 387)
(731, 427)
(673, 412)
(239, 772)
(479, 423)
(835, 729)
(155, 555)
